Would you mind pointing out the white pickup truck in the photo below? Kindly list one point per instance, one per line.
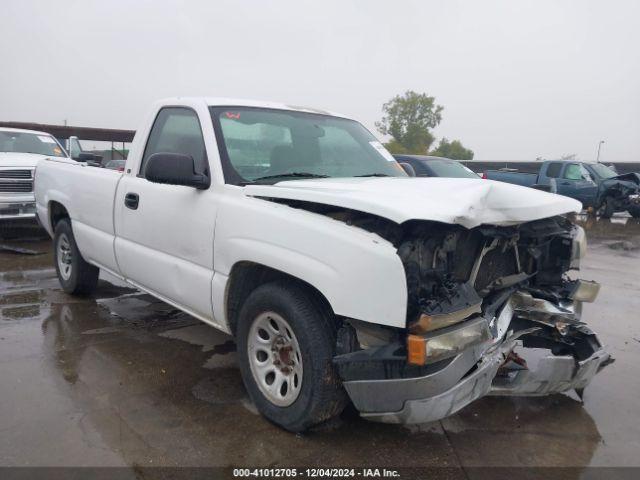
(20, 152)
(340, 277)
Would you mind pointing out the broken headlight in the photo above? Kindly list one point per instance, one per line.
(457, 302)
(427, 323)
(585, 291)
(447, 343)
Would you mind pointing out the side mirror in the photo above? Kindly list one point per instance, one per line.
(408, 169)
(175, 169)
(75, 149)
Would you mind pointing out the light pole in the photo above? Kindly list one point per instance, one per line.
(598, 156)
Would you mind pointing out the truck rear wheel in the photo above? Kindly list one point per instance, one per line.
(286, 345)
(76, 276)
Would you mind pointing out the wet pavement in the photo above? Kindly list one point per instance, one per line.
(121, 379)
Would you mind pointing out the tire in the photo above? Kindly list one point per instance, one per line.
(634, 212)
(302, 360)
(607, 209)
(76, 276)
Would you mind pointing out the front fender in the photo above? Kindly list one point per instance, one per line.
(358, 272)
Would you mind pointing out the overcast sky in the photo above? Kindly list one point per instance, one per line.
(518, 79)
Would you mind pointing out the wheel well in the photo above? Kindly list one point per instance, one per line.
(56, 213)
(606, 198)
(245, 277)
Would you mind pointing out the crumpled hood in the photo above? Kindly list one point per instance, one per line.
(18, 159)
(632, 180)
(463, 201)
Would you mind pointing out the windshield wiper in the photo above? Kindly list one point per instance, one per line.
(290, 174)
(373, 175)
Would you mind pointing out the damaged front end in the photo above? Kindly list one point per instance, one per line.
(623, 192)
(478, 299)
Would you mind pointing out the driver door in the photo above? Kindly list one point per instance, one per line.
(576, 182)
(164, 233)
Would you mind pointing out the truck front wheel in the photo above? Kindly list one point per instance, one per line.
(634, 212)
(286, 344)
(608, 208)
(76, 276)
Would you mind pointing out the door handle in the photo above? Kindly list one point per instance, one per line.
(565, 183)
(131, 201)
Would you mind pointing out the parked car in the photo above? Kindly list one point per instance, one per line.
(340, 278)
(428, 166)
(595, 185)
(116, 165)
(20, 152)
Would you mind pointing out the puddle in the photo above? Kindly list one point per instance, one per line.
(223, 386)
(21, 297)
(5, 248)
(19, 313)
(101, 331)
(224, 383)
(17, 279)
(143, 310)
(202, 335)
(221, 360)
(431, 427)
(623, 245)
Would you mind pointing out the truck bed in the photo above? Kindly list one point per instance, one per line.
(517, 178)
(91, 190)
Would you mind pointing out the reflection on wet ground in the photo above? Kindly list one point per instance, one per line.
(123, 379)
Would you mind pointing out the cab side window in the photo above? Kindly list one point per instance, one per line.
(573, 172)
(420, 169)
(553, 171)
(177, 130)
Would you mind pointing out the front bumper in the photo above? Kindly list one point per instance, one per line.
(557, 374)
(477, 371)
(431, 408)
(625, 202)
(17, 210)
(634, 200)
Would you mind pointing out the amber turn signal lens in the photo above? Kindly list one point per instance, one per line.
(416, 350)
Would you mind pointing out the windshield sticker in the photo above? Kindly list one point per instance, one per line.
(232, 115)
(46, 139)
(382, 151)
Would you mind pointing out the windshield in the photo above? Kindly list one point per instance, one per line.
(23, 142)
(603, 171)
(451, 169)
(267, 146)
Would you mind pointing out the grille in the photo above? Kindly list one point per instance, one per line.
(16, 187)
(15, 173)
(495, 264)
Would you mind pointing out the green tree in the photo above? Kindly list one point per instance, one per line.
(395, 147)
(408, 119)
(454, 150)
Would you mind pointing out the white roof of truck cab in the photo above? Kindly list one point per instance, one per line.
(243, 102)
